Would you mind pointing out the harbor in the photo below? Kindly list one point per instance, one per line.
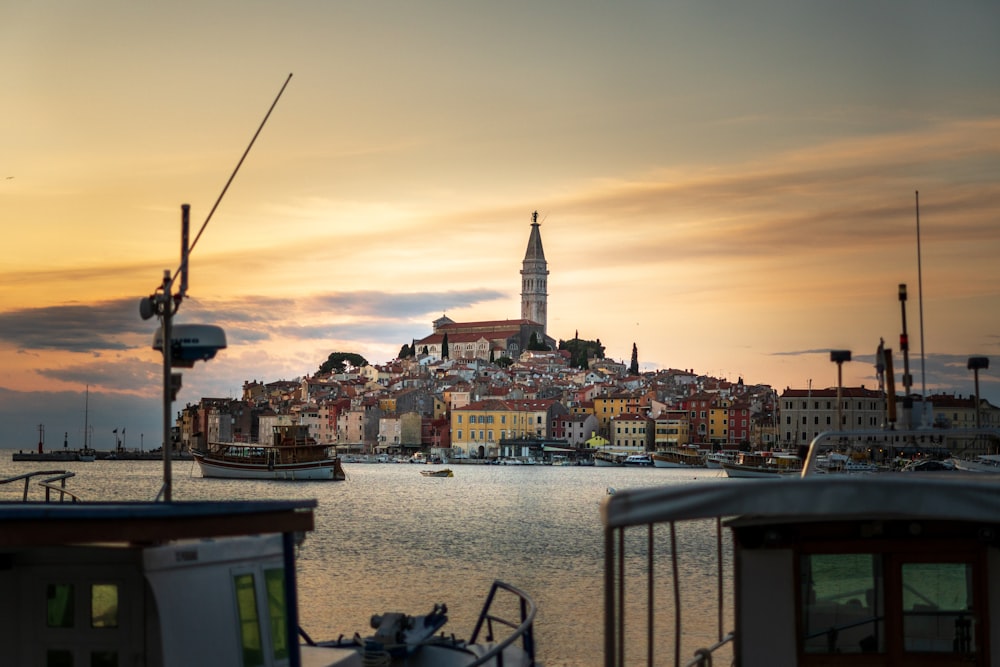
(388, 539)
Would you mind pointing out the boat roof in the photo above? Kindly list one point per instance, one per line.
(940, 495)
(52, 524)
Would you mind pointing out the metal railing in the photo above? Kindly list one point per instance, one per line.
(54, 481)
(523, 630)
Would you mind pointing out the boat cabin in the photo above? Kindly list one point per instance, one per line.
(885, 569)
(154, 584)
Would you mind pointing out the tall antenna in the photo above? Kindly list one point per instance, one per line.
(164, 304)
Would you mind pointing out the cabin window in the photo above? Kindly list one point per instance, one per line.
(60, 603)
(275, 581)
(843, 603)
(104, 606)
(937, 608)
(246, 606)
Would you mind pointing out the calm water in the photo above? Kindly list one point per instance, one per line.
(389, 539)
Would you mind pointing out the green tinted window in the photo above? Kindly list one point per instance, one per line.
(59, 599)
(275, 580)
(937, 608)
(104, 606)
(842, 603)
(246, 604)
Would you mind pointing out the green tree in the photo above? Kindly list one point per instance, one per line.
(405, 352)
(444, 346)
(581, 351)
(633, 368)
(504, 362)
(338, 362)
(535, 344)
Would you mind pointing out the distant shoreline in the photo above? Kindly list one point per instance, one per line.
(99, 455)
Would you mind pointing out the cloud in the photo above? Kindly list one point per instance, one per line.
(115, 325)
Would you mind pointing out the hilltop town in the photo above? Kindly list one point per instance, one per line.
(506, 389)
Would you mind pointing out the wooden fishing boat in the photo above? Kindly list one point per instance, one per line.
(291, 455)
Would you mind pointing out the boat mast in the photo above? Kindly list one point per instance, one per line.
(920, 301)
(86, 415)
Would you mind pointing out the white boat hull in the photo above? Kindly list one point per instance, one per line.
(757, 472)
(321, 470)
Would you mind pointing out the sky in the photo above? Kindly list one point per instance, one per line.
(730, 186)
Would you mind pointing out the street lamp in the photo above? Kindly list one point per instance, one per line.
(976, 363)
(839, 357)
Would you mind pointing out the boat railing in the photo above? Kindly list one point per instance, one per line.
(54, 482)
(890, 438)
(521, 630)
(638, 554)
(703, 656)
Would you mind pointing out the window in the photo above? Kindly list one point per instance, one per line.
(246, 607)
(937, 609)
(274, 580)
(842, 603)
(928, 599)
(60, 605)
(104, 606)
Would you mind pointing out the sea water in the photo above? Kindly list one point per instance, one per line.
(390, 539)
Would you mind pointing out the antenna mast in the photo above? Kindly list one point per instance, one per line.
(164, 304)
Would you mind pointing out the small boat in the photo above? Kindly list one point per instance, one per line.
(716, 459)
(444, 472)
(677, 458)
(292, 455)
(605, 458)
(639, 460)
(888, 569)
(989, 463)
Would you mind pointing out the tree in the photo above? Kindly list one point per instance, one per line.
(338, 362)
(581, 351)
(444, 346)
(405, 352)
(504, 362)
(634, 366)
(535, 344)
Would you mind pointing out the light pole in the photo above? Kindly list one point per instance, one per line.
(976, 363)
(839, 357)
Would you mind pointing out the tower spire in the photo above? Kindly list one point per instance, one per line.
(534, 272)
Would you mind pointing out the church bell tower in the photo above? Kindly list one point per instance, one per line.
(533, 277)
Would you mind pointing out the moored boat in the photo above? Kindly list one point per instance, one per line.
(445, 472)
(763, 465)
(603, 458)
(716, 459)
(292, 455)
(823, 570)
(677, 458)
(639, 460)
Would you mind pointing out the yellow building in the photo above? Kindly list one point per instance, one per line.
(672, 430)
(478, 428)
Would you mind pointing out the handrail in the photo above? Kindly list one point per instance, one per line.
(703, 656)
(524, 630)
(48, 484)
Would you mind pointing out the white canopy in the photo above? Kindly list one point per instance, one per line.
(940, 495)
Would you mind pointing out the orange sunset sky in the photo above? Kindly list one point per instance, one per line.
(728, 185)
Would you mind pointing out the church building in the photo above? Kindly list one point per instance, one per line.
(500, 338)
